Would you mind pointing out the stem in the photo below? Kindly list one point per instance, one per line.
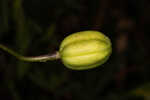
(42, 58)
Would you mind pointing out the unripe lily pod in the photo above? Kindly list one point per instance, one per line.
(85, 50)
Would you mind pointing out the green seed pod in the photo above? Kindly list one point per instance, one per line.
(85, 50)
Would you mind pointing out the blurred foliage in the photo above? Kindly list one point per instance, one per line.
(143, 91)
(35, 27)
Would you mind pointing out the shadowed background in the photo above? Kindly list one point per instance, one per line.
(35, 27)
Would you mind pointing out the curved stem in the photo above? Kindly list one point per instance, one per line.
(41, 58)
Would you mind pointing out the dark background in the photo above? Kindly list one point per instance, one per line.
(35, 27)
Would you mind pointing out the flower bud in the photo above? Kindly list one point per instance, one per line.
(85, 50)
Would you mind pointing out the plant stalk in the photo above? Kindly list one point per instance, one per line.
(42, 58)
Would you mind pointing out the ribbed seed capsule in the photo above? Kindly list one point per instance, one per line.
(85, 50)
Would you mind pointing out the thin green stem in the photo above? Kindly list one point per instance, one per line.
(42, 58)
